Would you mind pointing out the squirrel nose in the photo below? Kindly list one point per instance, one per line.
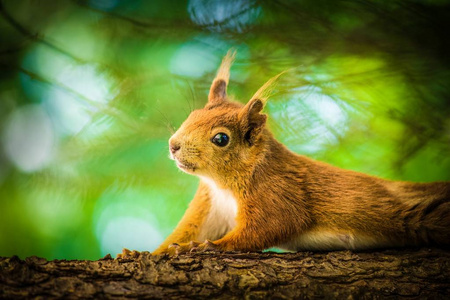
(174, 147)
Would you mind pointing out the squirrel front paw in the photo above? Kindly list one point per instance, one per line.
(127, 254)
(192, 247)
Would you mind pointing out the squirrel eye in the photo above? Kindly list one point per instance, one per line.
(220, 139)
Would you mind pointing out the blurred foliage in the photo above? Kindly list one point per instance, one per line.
(90, 92)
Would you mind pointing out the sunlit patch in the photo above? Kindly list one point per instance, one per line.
(28, 138)
(123, 218)
(197, 57)
(69, 113)
(312, 122)
(326, 109)
(76, 93)
(193, 60)
(218, 15)
(128, 232)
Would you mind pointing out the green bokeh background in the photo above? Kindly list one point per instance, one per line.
(90, 92)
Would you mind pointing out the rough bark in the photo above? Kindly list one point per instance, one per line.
(408, 274)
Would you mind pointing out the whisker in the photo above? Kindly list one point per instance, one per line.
(193, 97)
(168, 124)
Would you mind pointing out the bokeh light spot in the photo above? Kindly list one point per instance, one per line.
(28, 138)
(124, 218)
(193, 60)
(128, 232)
(76, 93)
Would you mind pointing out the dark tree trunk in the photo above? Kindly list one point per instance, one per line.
(423, 273)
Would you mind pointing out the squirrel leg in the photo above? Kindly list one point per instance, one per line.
(190, 225)
(252, 233)
(239, 239)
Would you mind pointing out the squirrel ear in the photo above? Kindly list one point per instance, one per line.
(218, 91)
(252, 121)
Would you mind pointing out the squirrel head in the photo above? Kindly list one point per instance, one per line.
(224, 139)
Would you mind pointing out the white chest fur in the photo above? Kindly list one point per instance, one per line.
(222, 214)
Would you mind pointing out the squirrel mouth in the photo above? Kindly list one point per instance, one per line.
(185, 166)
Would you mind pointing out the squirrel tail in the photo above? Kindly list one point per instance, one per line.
(437, 222)
(428, 220)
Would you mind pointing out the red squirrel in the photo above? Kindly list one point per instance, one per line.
(255, 194)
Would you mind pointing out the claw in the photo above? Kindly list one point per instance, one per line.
(126, 253)
(174, 249)
(209, 246)
(193, 244)
(191, 247)
(174, 245)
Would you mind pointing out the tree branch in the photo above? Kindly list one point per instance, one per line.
(423, 273)
(34, 36)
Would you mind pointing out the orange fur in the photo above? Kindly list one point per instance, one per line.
(254, 193)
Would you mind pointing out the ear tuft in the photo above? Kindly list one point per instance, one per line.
(265, 92)
(252, 121)
(218, 90)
